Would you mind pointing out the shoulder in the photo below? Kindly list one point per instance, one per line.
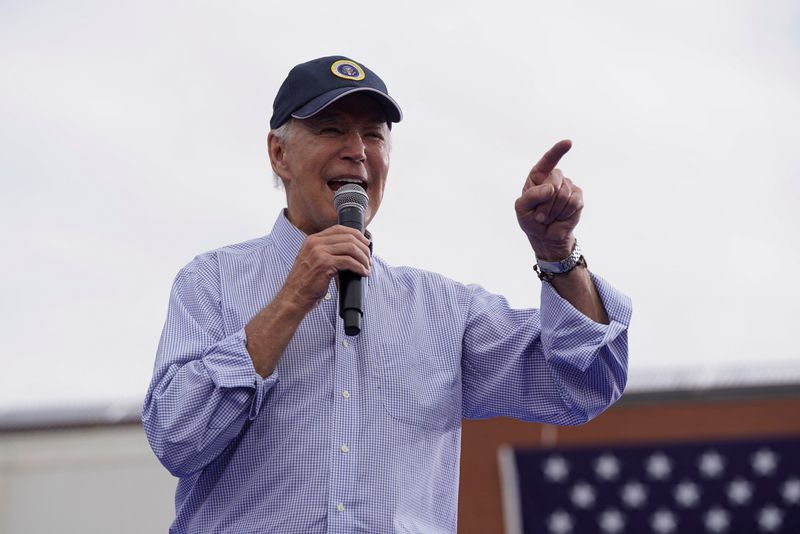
(236, 250)
(207, 264)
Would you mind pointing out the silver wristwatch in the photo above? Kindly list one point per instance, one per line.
(545, 270)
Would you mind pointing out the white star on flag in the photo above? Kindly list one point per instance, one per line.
(634, 494)
(711, 464)
(717, 520)
(663, 522)
(556, 468)
(764, 462)
(559, 522)
(687, 494)
(770, 519)
(612, 521)
(791, 491)
(659, 466)
(606, 467)
(582, 495)
(740, 491)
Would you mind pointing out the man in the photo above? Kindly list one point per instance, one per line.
(276, 421)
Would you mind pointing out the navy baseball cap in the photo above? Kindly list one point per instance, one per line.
(312, 86)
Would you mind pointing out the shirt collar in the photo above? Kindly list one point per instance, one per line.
(287, 238)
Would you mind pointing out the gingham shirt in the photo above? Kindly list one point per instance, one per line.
(356, 434)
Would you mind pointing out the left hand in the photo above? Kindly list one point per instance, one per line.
(550, 206)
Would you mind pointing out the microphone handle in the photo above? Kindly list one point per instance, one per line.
(351, 289)
(351, 297)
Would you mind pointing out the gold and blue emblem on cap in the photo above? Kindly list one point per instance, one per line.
(349, 70)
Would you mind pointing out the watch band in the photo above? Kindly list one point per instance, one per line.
(546, 270)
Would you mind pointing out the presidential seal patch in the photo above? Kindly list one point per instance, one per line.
(349, 70)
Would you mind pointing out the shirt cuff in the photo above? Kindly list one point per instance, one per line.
(568, 333)
(229, 366)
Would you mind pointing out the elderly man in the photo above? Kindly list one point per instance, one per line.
(276, 421)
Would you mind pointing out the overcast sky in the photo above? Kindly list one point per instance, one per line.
(132, 138)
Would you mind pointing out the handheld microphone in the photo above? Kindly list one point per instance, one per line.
(351, 203)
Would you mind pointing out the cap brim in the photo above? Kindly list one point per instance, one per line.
(390, 107)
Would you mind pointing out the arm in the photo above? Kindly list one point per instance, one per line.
(204, 386)
(562, 364)
(548, 211)
(552, 365)
(207, 383)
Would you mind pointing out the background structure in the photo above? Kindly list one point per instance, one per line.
(91, 470)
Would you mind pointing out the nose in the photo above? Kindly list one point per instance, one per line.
(354, 148)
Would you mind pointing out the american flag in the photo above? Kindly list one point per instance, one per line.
(710, 487)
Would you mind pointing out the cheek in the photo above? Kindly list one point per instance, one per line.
(375, 198)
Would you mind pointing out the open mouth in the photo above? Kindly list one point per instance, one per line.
(336, 184)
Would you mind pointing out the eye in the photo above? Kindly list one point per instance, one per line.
(376, 134)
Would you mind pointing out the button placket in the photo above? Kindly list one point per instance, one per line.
(347, 418)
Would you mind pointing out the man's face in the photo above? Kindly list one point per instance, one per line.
(346, 142)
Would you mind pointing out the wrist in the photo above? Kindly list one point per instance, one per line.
(547, 270)
(295, 302)
(552, 251)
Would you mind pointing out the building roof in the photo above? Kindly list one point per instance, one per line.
(689, 384)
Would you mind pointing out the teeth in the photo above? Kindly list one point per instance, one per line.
(349, 181)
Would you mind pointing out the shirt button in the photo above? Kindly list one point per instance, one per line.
(340, 507)
(346, 394)
(344, 448)
(328, 296)
(345, 343)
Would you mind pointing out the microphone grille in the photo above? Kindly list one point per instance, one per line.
(351, 194)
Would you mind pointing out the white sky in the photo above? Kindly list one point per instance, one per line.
(132, 138)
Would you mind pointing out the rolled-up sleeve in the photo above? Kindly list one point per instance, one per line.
(551, 365)
(204, 385)
(588, 360)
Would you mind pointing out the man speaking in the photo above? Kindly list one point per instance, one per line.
(277, 420)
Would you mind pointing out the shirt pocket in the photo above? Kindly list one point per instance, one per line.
(420, 389)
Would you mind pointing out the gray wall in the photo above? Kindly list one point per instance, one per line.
(85, 480)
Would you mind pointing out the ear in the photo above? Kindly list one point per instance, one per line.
(276, 148)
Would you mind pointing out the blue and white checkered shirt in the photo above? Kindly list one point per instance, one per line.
(356, 434)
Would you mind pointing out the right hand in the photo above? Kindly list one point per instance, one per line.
(321, 257)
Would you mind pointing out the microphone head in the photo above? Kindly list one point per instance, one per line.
(351, 195)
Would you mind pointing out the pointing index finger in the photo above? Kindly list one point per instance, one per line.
(548, 162)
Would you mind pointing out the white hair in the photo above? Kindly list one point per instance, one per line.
(282, 134)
